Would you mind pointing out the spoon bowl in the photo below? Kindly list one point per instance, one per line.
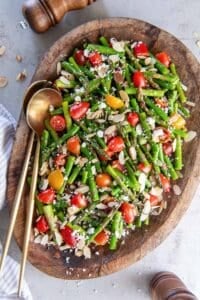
(38, 108)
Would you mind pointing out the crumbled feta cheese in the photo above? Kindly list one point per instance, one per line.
(156, 134)
(86, 52)
(51, 107)
(100, 133)
(91, 230)
(151, 122)
(114, 58)
(77, 99)
(118, 45)
(102, 105)
(94, 171)
(139, 129)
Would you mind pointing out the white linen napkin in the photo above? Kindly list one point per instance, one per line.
(9, 277)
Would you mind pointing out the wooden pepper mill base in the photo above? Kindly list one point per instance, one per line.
(167, 286)
(43, 14)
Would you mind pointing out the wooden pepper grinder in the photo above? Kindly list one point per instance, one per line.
(43, 14)
(167, 286)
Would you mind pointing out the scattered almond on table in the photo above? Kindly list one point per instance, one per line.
(18, 58)
(3, 81)
(2, 50)
(21, 76)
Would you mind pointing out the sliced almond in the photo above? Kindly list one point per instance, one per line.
(176, 189)
(191, 135)
(18, 58)
(2, 50)
(21, 76)
(3, 81)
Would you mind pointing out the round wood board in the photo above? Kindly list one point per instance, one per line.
(140, 242)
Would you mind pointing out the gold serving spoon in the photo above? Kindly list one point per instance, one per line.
(36, 112)
(32, 89)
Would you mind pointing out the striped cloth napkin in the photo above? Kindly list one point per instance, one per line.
(9, 277)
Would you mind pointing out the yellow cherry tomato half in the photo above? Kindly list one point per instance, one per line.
(177, 121)
(56, 179)
(114, 102)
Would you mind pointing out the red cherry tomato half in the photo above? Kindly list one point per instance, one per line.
(109, 154)
(138, 79)
(154, 200)
(164, 58)
(116, 144)
(128, 212)
(46, 196)
(68, 236)
(144, 168)
(167, 148)
(102, 238)
(141, 49)
(95, 58)
(116, 164)
(80, 58)
(42, 224)
(73, 145)
(58, 123)
(79, 201)
(165, 183)
(78, 110)
(103, 180)
(59, 160)
(133, 118)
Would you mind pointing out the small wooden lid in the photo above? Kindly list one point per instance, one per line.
(167, 286)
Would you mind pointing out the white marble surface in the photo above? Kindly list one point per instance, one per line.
(180, 252)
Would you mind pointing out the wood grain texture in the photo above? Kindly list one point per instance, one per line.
(140, 242)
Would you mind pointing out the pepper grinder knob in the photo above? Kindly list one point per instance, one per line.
(167, 286)
(43, 14)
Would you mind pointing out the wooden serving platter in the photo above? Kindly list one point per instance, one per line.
(140, 242)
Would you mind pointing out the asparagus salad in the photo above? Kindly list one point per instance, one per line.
(111, 152)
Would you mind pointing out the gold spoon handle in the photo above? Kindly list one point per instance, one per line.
(16, 201)
(30, 210)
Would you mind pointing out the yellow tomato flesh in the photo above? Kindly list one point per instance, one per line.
(56, 179)
(177, 121)
(114, 102)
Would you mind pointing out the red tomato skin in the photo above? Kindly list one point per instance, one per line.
(138, 79)
(154, 200)
(95, 59)
(79, 201)
(116, 164)
(164, 58)
(116, 144)
(68, 237)
(128, 212)
(78, 110)
(59, 160)
(102, 238)
(58, 123)
(144, 168)
(141, 49)
(165, 183)
(133, 118)
(80, 58)
(103, 180)
(46, 196)
(109, 153)
(167, 148)
(42, 224)
(73, 145)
